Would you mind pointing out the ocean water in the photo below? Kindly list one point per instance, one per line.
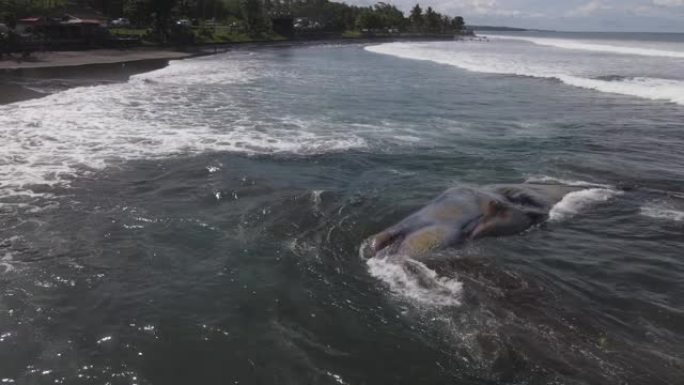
(201, 223)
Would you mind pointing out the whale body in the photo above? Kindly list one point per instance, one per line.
(461, 214)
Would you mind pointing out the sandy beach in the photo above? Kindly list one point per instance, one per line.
(57, 71)
(98, 56)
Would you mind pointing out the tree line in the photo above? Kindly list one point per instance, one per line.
(384, 16)
(256, 15)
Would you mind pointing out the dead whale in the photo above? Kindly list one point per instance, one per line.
(461, 214)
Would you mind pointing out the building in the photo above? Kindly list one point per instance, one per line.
(67, 31)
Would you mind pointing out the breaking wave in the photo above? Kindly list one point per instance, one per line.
(647, 88)
(670, 90)
(593, 47)
(171, 111)
(201, 71)
(576, 201)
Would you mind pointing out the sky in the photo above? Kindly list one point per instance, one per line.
(563, 15)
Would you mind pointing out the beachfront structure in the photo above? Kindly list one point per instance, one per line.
(68, 30)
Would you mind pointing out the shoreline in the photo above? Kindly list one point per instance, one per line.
(56, 59)
(62, 70)
(22, 84)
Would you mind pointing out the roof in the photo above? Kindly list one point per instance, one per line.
(30, 20)
(71, 19)
(82, 21)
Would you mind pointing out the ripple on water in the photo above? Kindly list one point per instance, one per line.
(662, 211)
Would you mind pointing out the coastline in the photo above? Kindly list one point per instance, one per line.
(88, 57)
(56, 71)
(52, 59)
(21, 84)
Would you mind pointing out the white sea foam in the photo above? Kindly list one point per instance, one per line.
(489, 61)
(642, 87)
(50, 140)
(662, 211)
(608, 47)
(414, 281)
(568, 182)
(316, 198)
(205, 70)
(576, 201)
(6, 263)
(336, 377)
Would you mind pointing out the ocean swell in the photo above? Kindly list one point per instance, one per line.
(642, 87)
(593, 47)
(670, 90)
(576, 201)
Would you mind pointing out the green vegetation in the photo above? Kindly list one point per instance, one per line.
(218, 21)
(351, 34)
(226, 34)
(137, 32)
(12, 10)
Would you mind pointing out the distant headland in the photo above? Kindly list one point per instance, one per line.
(496, 28)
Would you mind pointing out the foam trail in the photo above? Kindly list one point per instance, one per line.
(414, 281)
(662, 212)
(6, 263)
(163, 113)
(569, 182)
(670, 90)
(576, 201)
(592, 47)
(647, 88)
(201, 71)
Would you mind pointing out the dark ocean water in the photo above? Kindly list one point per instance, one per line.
(200, 224)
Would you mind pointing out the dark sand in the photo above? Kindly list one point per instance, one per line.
(33, 82)
(96, 56)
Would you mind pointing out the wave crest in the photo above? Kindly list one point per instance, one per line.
(593, 47)
(576, 201)
(670, 90)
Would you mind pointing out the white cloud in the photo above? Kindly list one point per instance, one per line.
(591, 8)
(669, 3)
(617, 9)
(594, 15)
(484, 7)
